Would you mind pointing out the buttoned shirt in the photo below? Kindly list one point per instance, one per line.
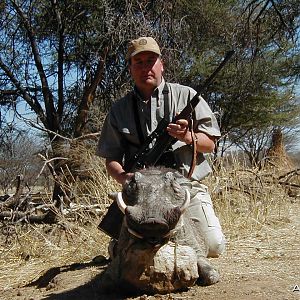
(119, 139)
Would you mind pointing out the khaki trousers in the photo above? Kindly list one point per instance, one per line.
(202, 212)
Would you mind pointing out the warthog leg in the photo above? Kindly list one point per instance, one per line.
(208, 275)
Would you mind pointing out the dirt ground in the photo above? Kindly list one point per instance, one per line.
(262, 266)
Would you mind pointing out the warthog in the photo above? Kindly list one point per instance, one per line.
(155, 206)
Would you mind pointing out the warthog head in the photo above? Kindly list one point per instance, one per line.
(153, 202)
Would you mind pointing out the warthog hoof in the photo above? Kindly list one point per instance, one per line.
(207, 274)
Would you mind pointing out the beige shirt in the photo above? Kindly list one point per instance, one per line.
(119, 138)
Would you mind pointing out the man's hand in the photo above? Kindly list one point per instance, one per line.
(180, 131)
(116, 171)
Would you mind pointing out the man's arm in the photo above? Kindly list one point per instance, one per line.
(116, 171)
(180, 130)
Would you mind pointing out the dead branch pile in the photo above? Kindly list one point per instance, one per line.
(79, 196)
(22, 206)
(254, 184)
(34, 207)
(251, 181)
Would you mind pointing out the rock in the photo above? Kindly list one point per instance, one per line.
(171, 268)
(174, 268)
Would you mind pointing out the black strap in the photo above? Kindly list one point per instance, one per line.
(165, 92)
(137, 120)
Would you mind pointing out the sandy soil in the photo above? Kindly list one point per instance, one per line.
(264, 266)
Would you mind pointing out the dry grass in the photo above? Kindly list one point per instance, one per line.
(245, 200)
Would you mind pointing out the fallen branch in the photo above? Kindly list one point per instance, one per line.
(14, 200)
(18, 216)
(294, 185)
(290, 174)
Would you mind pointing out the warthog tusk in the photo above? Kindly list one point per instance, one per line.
(121, 202)
(186, 202)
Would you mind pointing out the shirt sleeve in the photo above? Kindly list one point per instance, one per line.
(205, 119)
(110, 141)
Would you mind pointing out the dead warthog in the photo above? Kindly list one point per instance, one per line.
(159, 249)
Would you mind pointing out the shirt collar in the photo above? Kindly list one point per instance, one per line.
(161, 86)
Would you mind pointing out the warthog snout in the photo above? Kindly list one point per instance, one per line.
(151, 214)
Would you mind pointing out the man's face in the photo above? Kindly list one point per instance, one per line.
(146, 69)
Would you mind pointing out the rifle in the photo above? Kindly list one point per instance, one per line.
(148, 156)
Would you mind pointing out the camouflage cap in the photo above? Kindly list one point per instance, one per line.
(142, 44)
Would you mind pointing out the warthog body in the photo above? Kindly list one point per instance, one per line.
(155, 204)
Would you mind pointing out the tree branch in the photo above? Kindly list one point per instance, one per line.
(89, 96)
(12, 201)
(52, 122)
(33, 103)
(60, 57)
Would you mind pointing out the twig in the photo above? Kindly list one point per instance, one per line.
(289, 173)
(290, 184)
(82, 137)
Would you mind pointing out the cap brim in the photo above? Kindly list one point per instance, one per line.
(144, 50)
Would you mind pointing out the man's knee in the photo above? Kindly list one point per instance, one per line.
(216, 244)
(202, 213)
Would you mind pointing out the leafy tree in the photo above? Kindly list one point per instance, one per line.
(267, 74)
(256, 92)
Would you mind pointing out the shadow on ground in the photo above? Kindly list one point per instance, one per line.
(75, 282)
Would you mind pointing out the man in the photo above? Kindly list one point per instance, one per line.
(135, 116)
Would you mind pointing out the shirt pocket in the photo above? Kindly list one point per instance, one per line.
(130, 136)
(125, 131)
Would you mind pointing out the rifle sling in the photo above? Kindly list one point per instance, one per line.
(137, 121)
(165, 92)
(194, 147)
